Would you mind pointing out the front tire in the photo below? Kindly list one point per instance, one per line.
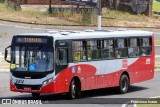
(74, 90)
(123, 84)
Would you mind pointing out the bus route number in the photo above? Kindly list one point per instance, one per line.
(19, 81)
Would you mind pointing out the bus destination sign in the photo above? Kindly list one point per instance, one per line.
(31, 40)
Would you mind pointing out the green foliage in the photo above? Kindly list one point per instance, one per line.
(157, 42)
(86, 18)
(150, 105)
(60, 14)
(156, 6)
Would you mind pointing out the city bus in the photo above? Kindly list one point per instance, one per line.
(74, 61)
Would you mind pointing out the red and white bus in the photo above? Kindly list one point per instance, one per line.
(74, 61)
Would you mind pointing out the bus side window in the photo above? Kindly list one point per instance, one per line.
(108, 49)
(121, 48)
(62, 56)
(146, 46)
(78, 51)
(133, 49)
(93, 49)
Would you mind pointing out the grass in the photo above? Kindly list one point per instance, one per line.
(157, 42)
(8, 13)
(150, 105)
(126, 19)
(157, 63)
(110, 18)
(119, 15)
(156, 6)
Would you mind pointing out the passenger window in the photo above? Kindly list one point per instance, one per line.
(121, 43)
(133, 49)
(79, 51)
(93, 47)
(146, 42)
(121, 48)
(146, 46)
(62, 56)
(107, 49)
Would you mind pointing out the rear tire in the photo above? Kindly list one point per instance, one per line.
(35, 95)
(74, 90)
(123, 84)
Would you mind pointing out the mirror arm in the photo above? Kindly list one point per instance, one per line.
(5, 57)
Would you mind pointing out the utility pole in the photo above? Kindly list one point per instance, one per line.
(99, 15)
(150, 5)
(50, 6)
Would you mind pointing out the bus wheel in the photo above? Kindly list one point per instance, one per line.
(35, 95)
(123, 84)
(73, 90)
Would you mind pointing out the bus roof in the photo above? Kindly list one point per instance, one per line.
(70, 34)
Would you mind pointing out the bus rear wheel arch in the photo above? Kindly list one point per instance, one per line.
(124, 83)
(74, 88)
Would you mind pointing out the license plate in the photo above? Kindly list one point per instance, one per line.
(27, 89)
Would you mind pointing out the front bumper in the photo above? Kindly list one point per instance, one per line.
(49, 88)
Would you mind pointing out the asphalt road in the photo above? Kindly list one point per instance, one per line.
(98, 97)
(8, 29)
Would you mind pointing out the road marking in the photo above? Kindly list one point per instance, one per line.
(158, 33)
(22, 27)
(124, 105)
(135, 105)
(155, 97)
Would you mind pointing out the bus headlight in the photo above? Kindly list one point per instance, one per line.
(44, 83)
(50, 80)
(47, 81)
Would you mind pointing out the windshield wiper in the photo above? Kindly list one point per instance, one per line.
(47, 62)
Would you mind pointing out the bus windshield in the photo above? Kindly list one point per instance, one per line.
(32, 59)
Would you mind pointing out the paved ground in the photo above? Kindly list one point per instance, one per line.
(8, 29)
(102, 96)
(141, 90)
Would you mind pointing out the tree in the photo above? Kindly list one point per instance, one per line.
(116, 4)
(110, 3)
(50, 6)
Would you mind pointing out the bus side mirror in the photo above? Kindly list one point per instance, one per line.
(6, 54)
